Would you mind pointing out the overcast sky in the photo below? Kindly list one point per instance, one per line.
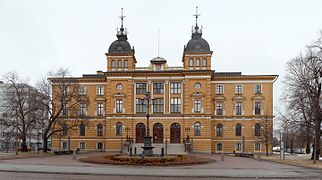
(249, 36)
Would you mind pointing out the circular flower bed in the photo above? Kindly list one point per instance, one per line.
(148, 161)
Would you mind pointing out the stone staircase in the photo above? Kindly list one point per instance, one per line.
(171, 148)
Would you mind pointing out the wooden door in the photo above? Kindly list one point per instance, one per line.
(175, 133)
(140, 133)
(157, 133)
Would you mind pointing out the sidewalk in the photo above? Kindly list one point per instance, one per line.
(232, 167)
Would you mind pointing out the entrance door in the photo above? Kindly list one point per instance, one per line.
(157, 133)
(140, 133)
(175, 132)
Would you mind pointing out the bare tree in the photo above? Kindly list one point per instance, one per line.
(60, 102)
(303, 92)
(21, 105)
(266, 134)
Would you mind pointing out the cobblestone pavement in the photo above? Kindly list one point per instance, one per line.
(231, 167)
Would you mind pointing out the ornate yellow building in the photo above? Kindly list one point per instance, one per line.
(220, 112)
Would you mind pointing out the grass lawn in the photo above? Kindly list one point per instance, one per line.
(302, 160)
(31, 154)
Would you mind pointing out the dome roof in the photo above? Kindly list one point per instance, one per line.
(158, 60)
(120, 46)
(197, 43)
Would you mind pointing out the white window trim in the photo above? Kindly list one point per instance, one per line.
(222, 147)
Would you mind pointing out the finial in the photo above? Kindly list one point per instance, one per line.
(196, 15)
(122, 17)
(158, 43)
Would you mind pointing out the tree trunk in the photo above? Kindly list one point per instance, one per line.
(266, 149)
(24, 147)
(308, 148)
(45, 144)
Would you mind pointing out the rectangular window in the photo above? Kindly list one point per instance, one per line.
(119, 106)
(140, 88)
(65, 145)
(100, 90)
(65, 110)
(219, 147)
(238, 108)
(238, 89)
(140, 107)
(258, 89)
(82, 109)
(220, 89)
(100, 109)
(238, 146)
(175, 105)
(197, 106)
(257, 146)
(157, 88)
(82, 90)
(82, 145)
(219, 108)
(158, 105)
(258, 108)
(175, 88)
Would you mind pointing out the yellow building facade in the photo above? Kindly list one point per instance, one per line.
(220, 112)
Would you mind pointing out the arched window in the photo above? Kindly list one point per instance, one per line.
(197, 129)
(219, 130)
(126, 64)
(119, 65)
(257, 129)
(82, 129)
(191, 63)
(99, 130)
(65, 130)
(204, 62)
(198, 63)
(238, 129)
(118, 129)
(113, 65)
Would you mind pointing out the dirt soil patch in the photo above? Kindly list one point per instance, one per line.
(174, 160)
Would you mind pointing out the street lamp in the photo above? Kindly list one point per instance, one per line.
(147, 148)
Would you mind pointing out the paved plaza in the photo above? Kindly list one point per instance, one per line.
(231, 167)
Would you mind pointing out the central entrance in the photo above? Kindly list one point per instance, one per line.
(157, 133)
(175, 132)
(140, 133)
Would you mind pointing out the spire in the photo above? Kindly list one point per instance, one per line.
(121, 33)
(196, 31)
(196, 15)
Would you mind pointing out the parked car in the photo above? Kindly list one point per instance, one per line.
(48, 149)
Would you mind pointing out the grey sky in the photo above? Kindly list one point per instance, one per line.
(251, 36)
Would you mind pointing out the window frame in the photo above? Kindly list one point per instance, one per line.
(197, 106)
(197, 129)
(219, 130)
(219, 108)
(100, 90)
(158, 105)
(258, 108)
(100, 130)
(238, 129)
(118, 129)
(140, 88)
(119, 105)
(139, 107)
(219, 89)
(175, 105)
(238, 108)
(175, 87)
(238, 89)
(158, 88)
(256, 89)
(82, 129)
(100, 109)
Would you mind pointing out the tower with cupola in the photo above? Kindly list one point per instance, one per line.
(120, 55)
(197, 53)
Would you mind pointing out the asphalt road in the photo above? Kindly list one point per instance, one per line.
(42, 176)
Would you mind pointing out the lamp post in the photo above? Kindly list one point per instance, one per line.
(187, 129)
(147, 148)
